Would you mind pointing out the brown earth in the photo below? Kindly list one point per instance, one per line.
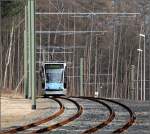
(14, 109)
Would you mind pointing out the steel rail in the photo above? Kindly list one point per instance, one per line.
(105, 122)
(63, 122)
(34, 124)
(130, 121)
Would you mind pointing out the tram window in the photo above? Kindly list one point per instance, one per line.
(54, 75)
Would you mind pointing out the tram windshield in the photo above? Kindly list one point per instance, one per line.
(54, 75)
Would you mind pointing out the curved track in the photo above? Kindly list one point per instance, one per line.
(34, 124)
(130, 121)
(102, 101)
(63, 122)
(105, 122)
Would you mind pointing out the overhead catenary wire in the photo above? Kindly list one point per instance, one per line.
(70, 29)
(68, 32)
(87, 13)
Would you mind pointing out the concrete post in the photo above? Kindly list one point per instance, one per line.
(81, 77)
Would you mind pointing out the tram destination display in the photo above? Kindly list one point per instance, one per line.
(54, 66)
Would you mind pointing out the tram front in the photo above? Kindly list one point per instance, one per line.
(54, 78)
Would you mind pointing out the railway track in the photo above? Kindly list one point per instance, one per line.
(34, 124)
(51, 117)
(63, 122)
(129, 122)
(105, 122)
(67, 120)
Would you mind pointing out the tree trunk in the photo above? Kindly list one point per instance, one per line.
(9, 56)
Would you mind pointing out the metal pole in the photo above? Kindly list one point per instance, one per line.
(96, 92)
(25, 67)
(144, 73)
(25, 57)
(113, 59)
(138, 67)
(29, 47)
(33, 66)
(132, 81)
(141, 77)
(81, 77)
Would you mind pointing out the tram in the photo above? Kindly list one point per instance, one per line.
(53, 78)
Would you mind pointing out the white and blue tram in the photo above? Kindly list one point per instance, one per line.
(54, 80)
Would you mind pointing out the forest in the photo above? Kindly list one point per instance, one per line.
(108, 43)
